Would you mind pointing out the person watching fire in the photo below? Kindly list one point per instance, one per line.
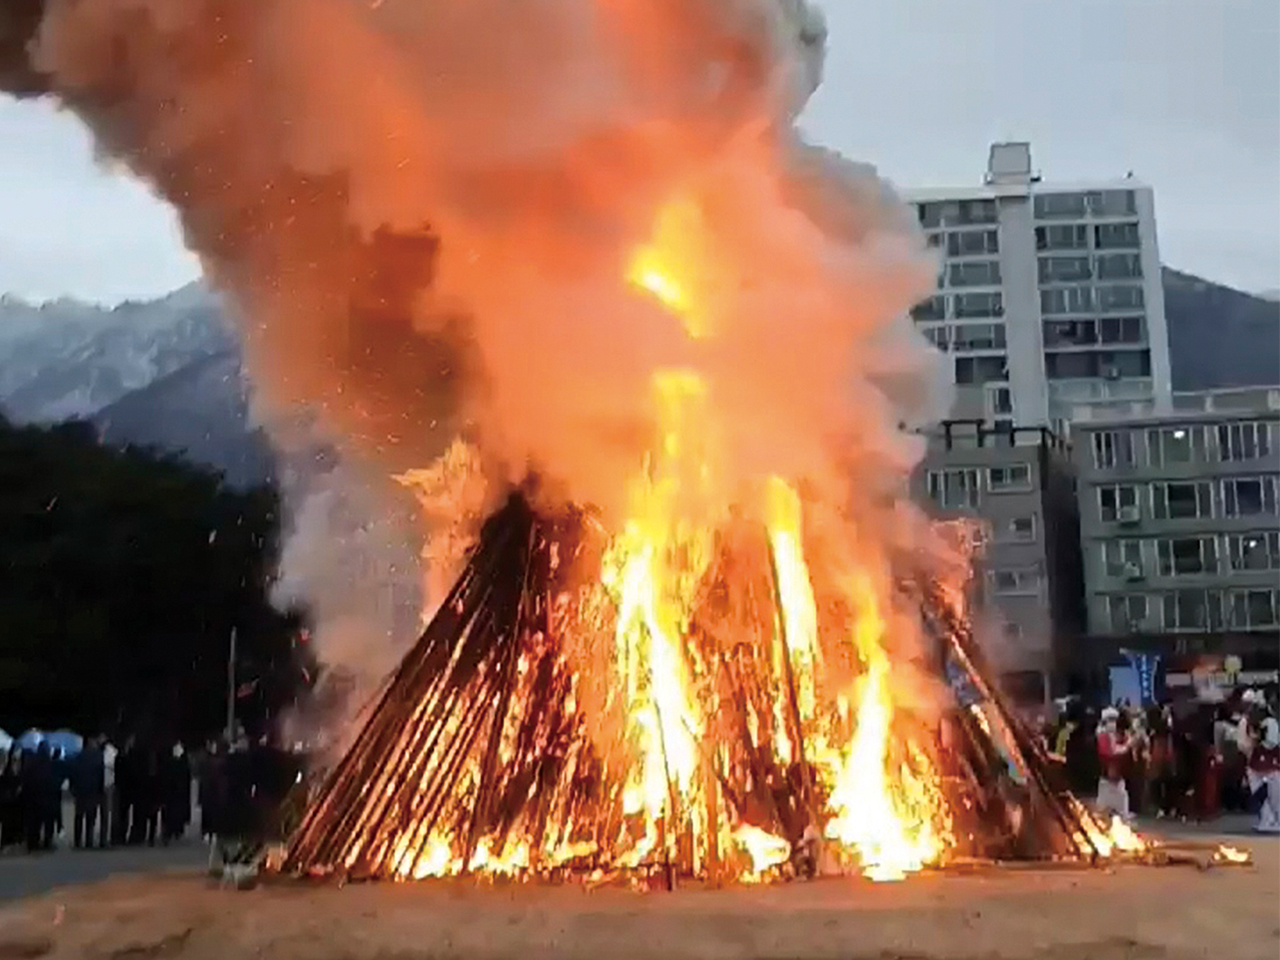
(1113, 753)
(1263, 774)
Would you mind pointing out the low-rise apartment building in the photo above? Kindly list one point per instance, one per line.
(1017, 484)
(1180, 529)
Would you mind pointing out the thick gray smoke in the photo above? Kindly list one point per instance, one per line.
(429, 216)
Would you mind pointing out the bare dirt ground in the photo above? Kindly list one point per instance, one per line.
(1129, 913)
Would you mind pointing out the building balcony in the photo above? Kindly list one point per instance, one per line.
(1095, 390)
(1228, 400)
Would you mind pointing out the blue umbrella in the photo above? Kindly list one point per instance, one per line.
(68, 742)
(31, 739)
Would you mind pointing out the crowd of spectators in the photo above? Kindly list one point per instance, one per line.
(141, 794)
(1185, 760)
(136, 795)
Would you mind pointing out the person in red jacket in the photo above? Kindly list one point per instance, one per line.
(1113, 754)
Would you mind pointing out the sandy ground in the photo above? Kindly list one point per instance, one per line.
(1134, 913)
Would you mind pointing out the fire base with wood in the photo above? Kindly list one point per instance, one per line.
(480, 754)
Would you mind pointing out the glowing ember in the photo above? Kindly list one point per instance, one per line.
(1229, 854)
(1124, 838)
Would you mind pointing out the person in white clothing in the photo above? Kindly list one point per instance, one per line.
(107, 821)
(1264, 775)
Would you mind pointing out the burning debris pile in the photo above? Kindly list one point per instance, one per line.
(482, 754)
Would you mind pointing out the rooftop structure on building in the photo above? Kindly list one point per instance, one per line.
(1049, 295)
(1017, 484)
(1180, 525)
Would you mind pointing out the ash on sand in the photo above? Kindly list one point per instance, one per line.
(1132, 913)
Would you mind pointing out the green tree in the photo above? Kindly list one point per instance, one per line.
(122, 574)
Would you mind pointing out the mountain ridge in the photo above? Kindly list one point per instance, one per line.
(169, 373)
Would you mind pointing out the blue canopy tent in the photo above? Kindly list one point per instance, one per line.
(66, 741)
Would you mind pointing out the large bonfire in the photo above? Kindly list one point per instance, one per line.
(583, 241)
(686, 694)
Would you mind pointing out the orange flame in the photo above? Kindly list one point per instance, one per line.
(765, 850)
(887, 816)
(652, 571)
(885, 808)
(1229, 854)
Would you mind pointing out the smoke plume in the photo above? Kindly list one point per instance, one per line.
(425, 212)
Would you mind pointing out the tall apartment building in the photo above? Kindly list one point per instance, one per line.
(1049, 295)
(1017, 483)
(1180, 529)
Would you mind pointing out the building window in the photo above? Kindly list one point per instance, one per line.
(1181, 501)
(933, 240)
(1065, 269)
(1017, 530)
(1001, 400)
(1070, 333)
(1091, 365)
(935, 308)
(1112, 203)
(1252, 609)
(1122, 558)
(1254, 551)
(971, 243)
(956, 213)
(1116, 236)
(972, 305)
(976, 370)
(968, 212)
(1174, 445)
(1119, 266)
(974, 273)
(1015, 581)
(955, 489)
(1112, 449)
(1121, 364)
(1118, 503)
(979, 336)
(1119, 296)
(1186, 555)
(1244, 441)
(1192, 610)
(1249, 496)
(1060, 206)
(1122, 330)
(1013, 476)
(1062, 236)
(1127, 612)
(1058, 300)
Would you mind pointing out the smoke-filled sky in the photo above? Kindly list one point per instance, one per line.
(1185, 93)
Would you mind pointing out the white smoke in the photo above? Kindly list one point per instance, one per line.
(317, 149)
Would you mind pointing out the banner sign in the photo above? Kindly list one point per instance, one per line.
(1145, 665)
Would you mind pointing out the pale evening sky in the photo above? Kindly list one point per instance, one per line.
(1184, 93)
